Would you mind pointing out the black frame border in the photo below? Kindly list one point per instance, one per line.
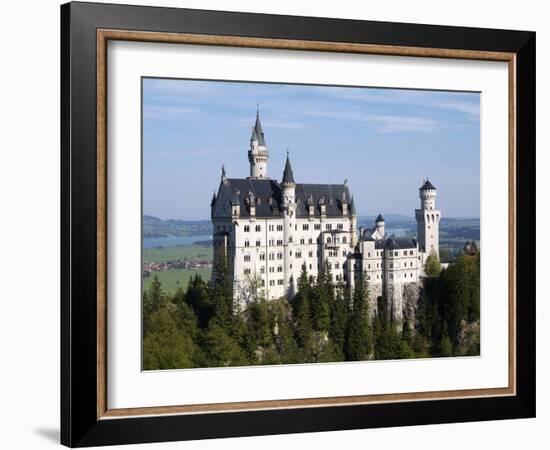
(79, 424)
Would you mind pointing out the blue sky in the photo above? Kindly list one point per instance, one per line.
(384, 141)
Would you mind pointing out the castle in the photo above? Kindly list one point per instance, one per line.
(268, 230)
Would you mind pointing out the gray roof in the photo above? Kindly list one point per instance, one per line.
(268, 197)
(288, 176)
(257, 132)
(379, 218)
(397, 243)
(427, 186)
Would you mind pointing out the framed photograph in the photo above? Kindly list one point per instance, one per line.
(276, 224)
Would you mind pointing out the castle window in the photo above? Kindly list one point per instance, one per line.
(405, 275)
(295, 227)
(328, 226)
(369, 266)
(272, 282)
(247, 258)
(337, 265)
(298, 254)
(340, 226)
(262, 283)
(271, 269)
(310, 240)
(258, 228)
(279, 228)
(271, 241)
(311, 254)
(246, 228)
(391, 276)
(246, 244)
(344, 240)
(305, 226)
(391, 265)
(258, 243)
(290, 239)
(280, 282)
(262, 269)
(262, 256)
(317, 226)
(411, 275)
(247, 271)
(271, 256)
(280, 269)
(343, 253)
(280, 255)
(329, 240)
(271, 227)
(302, 241)
(310, 268)
(368, 254)
(395, 253)
(279, 242)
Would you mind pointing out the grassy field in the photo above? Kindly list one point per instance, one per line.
(171, 280)
(164, 254)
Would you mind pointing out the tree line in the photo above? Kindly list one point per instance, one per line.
(324, 322)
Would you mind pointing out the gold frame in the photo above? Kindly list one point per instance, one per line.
(103, 36)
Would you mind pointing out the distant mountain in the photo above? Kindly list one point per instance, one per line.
(155, 227)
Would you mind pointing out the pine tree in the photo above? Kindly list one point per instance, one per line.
(338, 321)
(198, 298)
(302, 316)
(359, 334)
(165, 346)
(432, 267)
(221, 294)
(322, 296)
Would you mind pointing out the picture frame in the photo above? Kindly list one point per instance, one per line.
(86, 418)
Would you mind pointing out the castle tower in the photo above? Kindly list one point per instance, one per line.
(380, 225)
(289, 211)
(258, 155)
(427, 219)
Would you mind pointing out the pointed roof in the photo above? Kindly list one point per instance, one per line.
(427, 186)
(379, 218)
(257, 132)
(288, 176)
(352, 207)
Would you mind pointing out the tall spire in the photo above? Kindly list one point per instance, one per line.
(288, 176)
(257, 132)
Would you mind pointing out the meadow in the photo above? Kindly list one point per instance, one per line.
(175, 278)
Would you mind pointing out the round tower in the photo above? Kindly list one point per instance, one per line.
(427, 219)
(258, 155)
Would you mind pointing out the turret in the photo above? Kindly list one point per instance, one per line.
(258, 155)
(288, 184)
(380, 224)
(427, 219)
(213, 204)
